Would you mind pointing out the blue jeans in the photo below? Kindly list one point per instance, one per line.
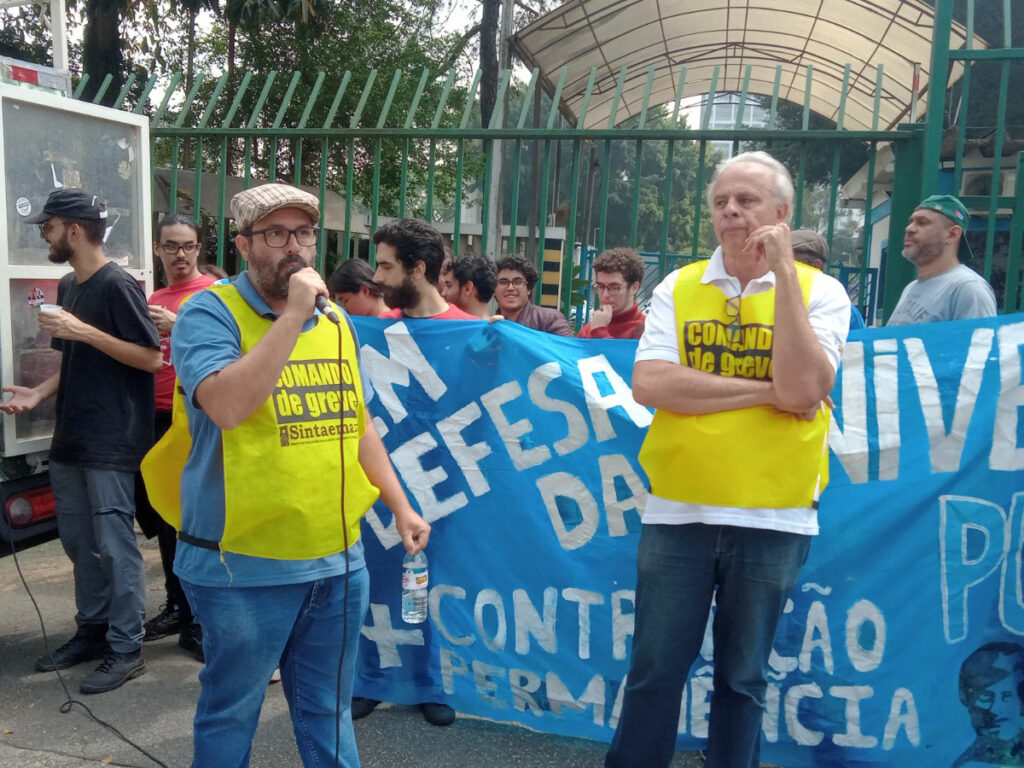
(96, 523)
(247, 632)
(679, 568)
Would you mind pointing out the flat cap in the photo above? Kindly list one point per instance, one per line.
(251, 205)
(71, 204)
(809, 245)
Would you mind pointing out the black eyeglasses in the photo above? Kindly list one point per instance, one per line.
(515, 282)
(732, 309)
(47, 226)
(278, 237)
(171, 249)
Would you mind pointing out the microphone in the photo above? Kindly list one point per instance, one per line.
(321, 302)
(326, 309)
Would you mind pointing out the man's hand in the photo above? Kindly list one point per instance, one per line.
(601, 318)
(414, 530)
(163, 318)
(23, 399)
(63, 325)
(773, 242)
(304, 286)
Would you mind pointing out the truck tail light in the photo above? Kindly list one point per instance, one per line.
(24, 509)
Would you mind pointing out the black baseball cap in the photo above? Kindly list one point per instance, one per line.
(71, 204)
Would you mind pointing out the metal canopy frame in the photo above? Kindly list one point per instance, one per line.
(644, 49)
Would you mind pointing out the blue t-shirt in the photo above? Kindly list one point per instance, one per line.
(205, 340)
(856, 319)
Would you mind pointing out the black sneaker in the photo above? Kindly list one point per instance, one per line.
(191, 640)
(362, 707)
(89, 642)
(437, 714)
(170, 621)
(114, 671)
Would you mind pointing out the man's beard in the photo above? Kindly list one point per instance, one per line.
(60, 252)
(404, 296)
(275, 285)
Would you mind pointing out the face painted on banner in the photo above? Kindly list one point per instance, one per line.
(998, 708)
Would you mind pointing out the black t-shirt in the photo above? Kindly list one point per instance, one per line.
(104, 408)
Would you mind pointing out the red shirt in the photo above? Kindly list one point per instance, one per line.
(170, 298)
(452, 313)
(625, 325)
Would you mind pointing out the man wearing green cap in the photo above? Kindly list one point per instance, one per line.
(945, 289)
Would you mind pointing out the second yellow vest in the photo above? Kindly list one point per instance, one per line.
(748, 457)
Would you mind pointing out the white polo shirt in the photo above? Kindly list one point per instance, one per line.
(828, 311)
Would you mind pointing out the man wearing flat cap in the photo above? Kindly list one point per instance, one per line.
(284, 462)
(945, 289)
(109, 352)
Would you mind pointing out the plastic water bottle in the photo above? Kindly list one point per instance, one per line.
(414, 588)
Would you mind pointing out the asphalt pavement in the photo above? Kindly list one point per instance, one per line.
(155, 710)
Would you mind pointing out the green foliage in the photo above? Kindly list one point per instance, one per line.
(622, 181)
(24, 36)
(574, 286)
(817, 157)
(980, 110)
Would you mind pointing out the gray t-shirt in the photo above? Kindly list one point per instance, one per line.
(957, 294)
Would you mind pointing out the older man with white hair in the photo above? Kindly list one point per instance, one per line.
(738, 357)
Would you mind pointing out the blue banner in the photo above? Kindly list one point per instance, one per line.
(903, 643)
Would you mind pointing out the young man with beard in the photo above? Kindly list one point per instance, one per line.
(176, 245)
(409, 257)
(945, 289)
(269, 553)
(109, 352)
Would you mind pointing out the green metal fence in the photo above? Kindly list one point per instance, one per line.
(413, 144)
(954, 122)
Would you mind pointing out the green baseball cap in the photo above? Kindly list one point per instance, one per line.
(949, 206)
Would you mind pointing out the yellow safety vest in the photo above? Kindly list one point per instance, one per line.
(747, 457)
(283, 465)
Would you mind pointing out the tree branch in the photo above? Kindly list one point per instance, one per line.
(458, 47)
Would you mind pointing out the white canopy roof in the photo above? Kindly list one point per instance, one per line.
(734, 34)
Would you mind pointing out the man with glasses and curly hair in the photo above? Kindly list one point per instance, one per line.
(516, 278)
(738, 357)
(617, 276)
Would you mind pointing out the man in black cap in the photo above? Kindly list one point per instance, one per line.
(109, 352)
(945, 289)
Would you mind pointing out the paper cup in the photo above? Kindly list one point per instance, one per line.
(50, 307)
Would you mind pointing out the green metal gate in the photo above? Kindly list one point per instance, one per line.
(423, 152)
